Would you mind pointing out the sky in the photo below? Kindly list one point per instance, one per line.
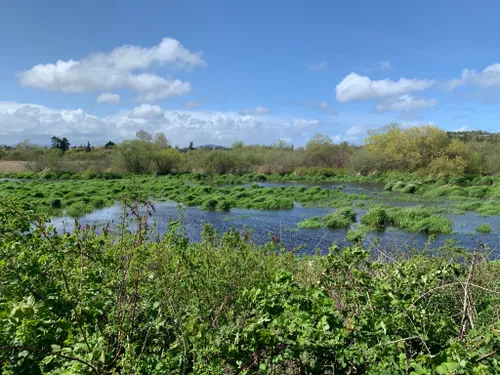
(214, 72)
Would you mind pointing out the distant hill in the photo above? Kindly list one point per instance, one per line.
(205, 147)
(212, 147)
(475, 135)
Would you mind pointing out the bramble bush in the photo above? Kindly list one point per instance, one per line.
(125, 301)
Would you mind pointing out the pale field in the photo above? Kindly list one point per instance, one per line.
(12, 166)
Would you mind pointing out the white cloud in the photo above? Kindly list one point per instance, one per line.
(40, 123)
(257, 111)
(353, 131)
(409, 124)
(302, 123)
(406, 103)
(318, 67)
(192, 105)
(385, 65)
(108, 98)
(147, 112)
(356, 87)
(488, 78)
(105, 72)
(464, 128)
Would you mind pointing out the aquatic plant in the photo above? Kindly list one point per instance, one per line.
(484, 228)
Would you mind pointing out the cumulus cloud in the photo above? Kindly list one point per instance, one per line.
(406, 103)
(108, 98)
(257, 111)
(318, 67)
(488, 78)
(118, 69)
(356, 87)
(40, 123)
(147, 112)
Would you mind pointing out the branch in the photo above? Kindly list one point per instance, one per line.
(50, 353)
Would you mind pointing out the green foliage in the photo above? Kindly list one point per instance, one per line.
(484, 228)
(413, 219)
(418, 219)
(376, 218)
(103, 303)
(341, 218)
(167, 160)
(311, 223)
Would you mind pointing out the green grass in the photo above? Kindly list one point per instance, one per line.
(341, 218)
(77, 197)
(312, 223)
(485, 228)
(412, 219)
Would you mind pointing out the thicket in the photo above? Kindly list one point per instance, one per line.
(427, 150)
(123, 303)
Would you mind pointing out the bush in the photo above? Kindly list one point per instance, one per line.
(229, 299)
(167, 161)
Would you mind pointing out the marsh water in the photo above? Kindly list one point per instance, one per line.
(281, 225)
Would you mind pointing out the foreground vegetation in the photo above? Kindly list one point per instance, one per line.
(122, 303)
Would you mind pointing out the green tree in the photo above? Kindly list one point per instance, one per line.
(135, 156)
(167, 160)
(161, 141)
(62, 144)
(143, 135)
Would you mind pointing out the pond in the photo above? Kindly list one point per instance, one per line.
(282, 224)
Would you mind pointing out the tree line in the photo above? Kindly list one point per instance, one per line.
(426, 149)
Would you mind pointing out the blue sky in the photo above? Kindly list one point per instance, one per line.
(259, 71)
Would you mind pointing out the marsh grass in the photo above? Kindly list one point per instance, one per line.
(341, 218)
(485, 228)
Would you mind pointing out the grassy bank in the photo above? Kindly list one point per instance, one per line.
(89, 303)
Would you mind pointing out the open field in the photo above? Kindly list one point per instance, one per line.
(12, 166)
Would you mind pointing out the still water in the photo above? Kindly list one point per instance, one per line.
(282, 225)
